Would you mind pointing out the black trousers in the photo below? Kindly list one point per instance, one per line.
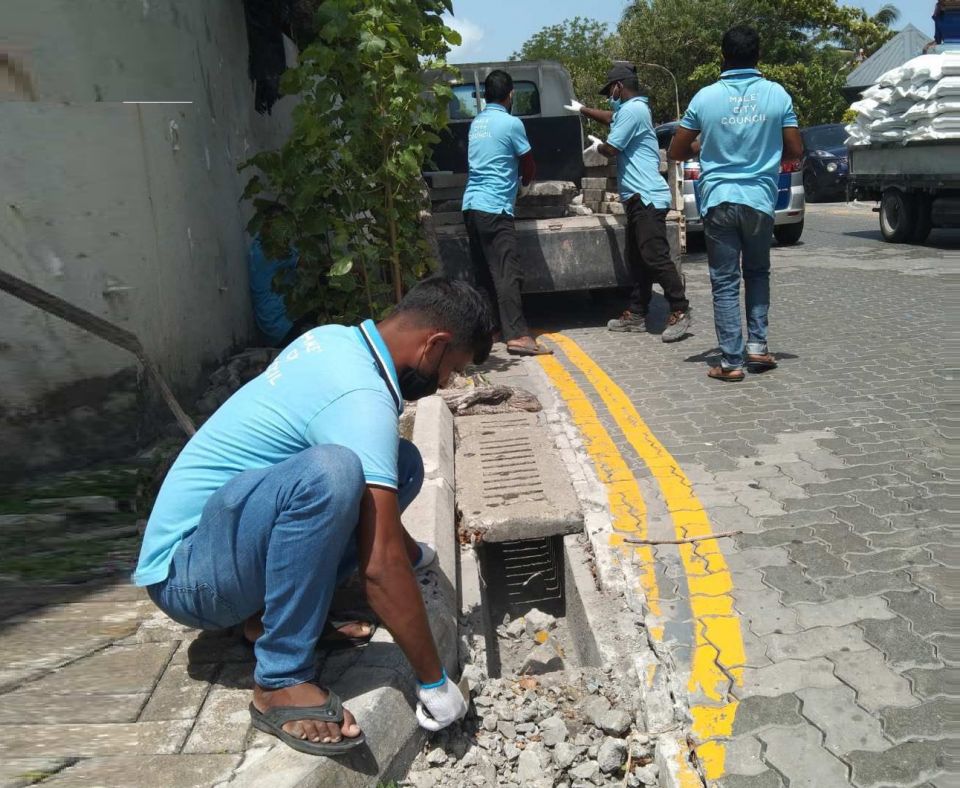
(496, 268)
(648, 255)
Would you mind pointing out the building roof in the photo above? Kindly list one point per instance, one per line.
(904, 46)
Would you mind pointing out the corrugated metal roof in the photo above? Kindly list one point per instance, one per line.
(904, 46)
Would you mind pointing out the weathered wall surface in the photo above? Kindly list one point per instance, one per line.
(129, 210)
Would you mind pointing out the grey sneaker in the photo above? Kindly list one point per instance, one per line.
(678, 326)
(628, 321)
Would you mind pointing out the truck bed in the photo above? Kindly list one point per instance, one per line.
(937, 161)
(567, 253)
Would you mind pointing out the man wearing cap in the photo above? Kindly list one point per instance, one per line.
(747, 127)
(646, 199)
(499, 155)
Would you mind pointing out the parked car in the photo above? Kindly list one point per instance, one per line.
(825, 161)
(791, 204)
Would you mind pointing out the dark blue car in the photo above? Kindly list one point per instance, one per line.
(825, 161)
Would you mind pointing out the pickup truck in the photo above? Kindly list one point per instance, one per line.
(564, 245)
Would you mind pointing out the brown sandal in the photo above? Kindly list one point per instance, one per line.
(526, 350)
(726, 375)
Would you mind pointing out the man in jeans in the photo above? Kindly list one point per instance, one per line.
(747, 127)
(498, 148)
(297, 481)
(646, 198)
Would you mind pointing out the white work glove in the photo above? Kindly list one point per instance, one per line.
(597, 142)
(440, 704)
(573, 106)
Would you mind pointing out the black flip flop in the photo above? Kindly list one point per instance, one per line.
(272, 720)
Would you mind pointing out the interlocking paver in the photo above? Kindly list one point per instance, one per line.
(865, 584)
(764, 614)
(798, 755)
(845, 726)
(767, 779)
(793, 584)
(876, 684)
(819, 560)
(816, 642)
(757, 712)
(918, 607)
(888, 560)
(900, 646)
(743, 756)
(904, 764)
(927, 721)
(936, 683)
(839, 612)
(787, 676)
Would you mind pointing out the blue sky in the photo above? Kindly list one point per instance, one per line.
(495, 29)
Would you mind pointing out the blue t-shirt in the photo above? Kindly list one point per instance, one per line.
(638, 165)
(497, 141)
(741, 120)
(269, 309)
(324, 388)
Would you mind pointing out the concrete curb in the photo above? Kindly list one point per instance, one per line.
(385, 712)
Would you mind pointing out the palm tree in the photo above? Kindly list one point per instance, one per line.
(887, 16)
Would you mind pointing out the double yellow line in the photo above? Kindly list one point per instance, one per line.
(718, 654)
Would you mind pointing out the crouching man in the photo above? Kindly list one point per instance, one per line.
(297, 481)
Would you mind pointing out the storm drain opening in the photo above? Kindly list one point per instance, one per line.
(531, 609)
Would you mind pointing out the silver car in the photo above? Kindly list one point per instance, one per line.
(791, 202)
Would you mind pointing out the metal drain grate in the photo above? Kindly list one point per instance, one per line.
(525, 574)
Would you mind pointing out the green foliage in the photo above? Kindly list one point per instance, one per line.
(581, 45)
(346, 189)
(809, 45)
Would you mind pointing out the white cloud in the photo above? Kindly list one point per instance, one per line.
(472, 35)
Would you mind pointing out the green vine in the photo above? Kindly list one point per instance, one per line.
(346, 189)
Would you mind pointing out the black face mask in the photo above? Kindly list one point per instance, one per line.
(415, 385)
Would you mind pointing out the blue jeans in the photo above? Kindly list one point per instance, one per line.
(277, 539)
(738, 237)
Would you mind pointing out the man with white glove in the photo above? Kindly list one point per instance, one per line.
(603, 116)
(440, 704)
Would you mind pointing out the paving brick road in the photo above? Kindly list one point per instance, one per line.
(838, 469)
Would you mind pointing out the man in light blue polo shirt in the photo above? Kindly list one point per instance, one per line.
(296, 481)
(747, 127)
(646, 199)
(498, 156)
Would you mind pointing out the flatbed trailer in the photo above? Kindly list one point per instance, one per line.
(917, 186)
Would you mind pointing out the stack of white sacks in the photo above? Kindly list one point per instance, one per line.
(917, 102)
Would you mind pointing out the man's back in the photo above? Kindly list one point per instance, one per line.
(497, 140)
(324, 388)
(741, 120)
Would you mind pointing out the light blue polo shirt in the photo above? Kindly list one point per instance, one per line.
(497, 141)
(741, 120)
(269, 308)
(638, 165)
(326, 387)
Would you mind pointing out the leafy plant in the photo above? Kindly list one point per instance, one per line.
(808, 44)
(346, 189)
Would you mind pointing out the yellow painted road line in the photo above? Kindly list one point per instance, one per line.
(718, 655)
(627, 509)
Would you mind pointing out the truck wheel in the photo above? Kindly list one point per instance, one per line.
(924, 221)
(788, 234)
(897, 216)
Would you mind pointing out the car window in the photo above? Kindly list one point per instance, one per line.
(824, 137)
(463, 105)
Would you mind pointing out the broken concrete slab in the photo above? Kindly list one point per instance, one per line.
(511, 484)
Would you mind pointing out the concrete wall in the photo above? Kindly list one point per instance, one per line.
(130, 210)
